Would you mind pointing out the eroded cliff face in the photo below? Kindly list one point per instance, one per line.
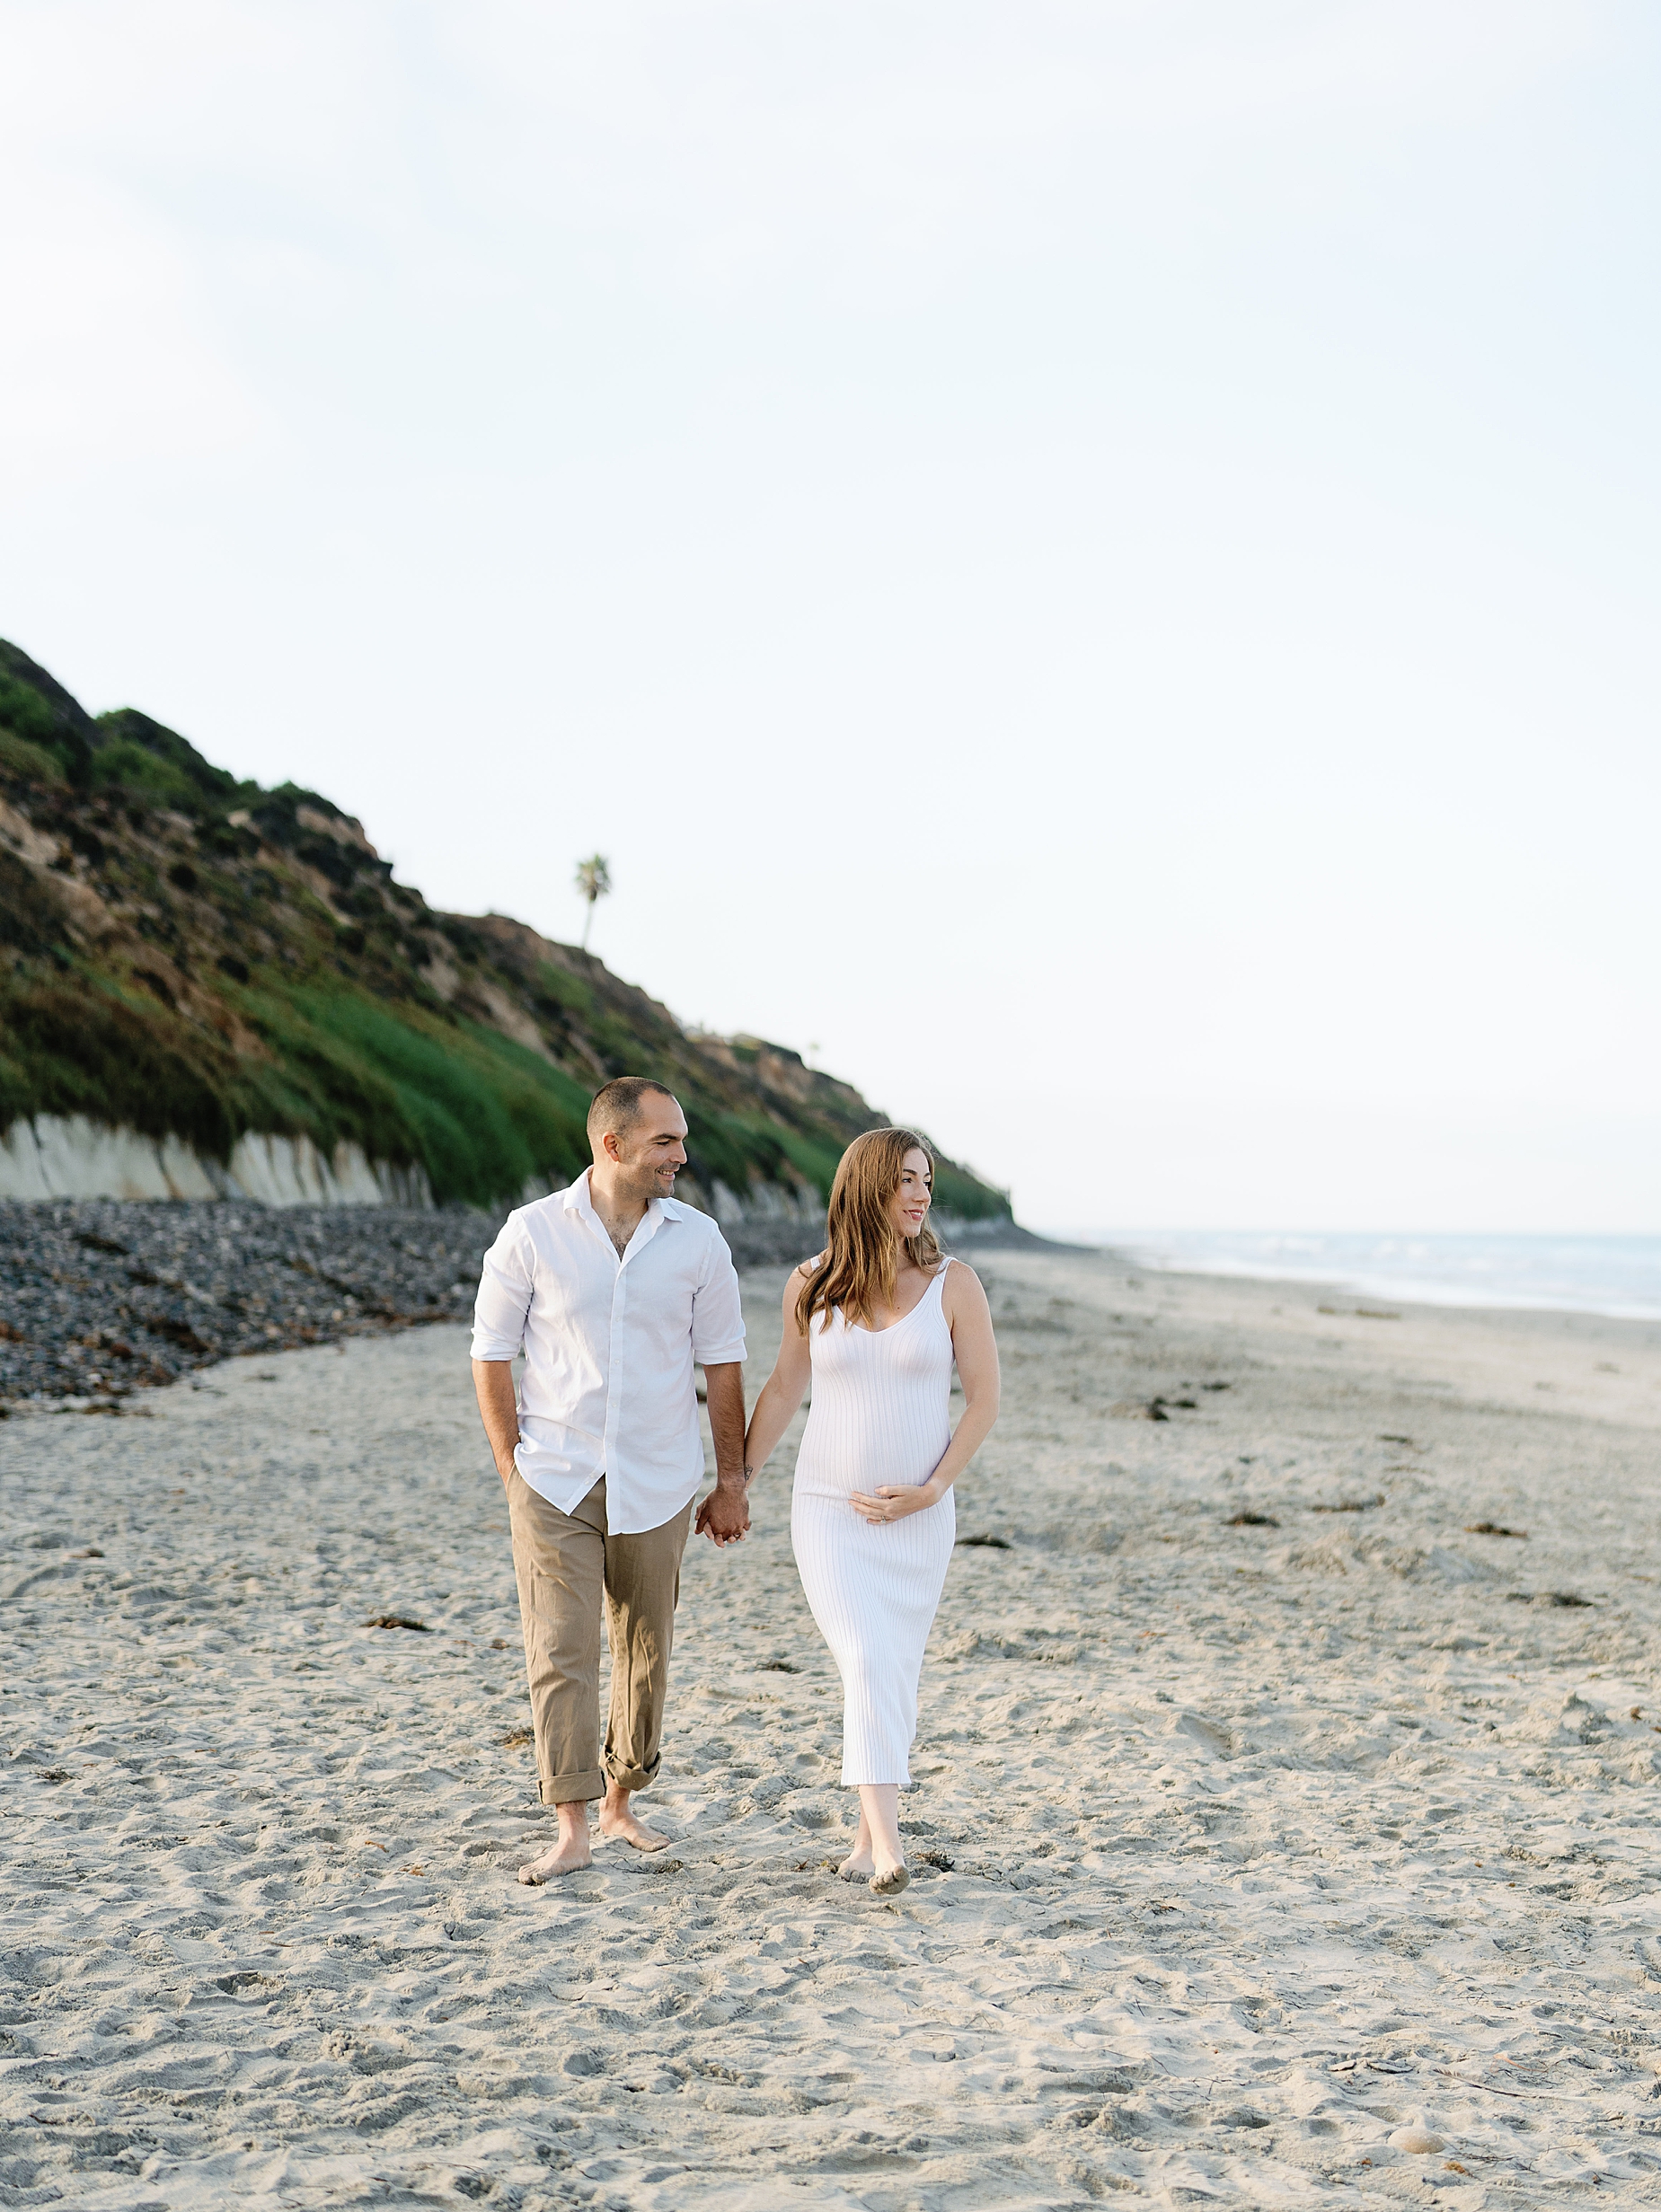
(210, 987)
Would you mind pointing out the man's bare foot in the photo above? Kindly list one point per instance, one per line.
(890, 1882)
(619, 1825)
(569, 1856)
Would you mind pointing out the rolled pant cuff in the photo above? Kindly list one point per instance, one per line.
(573, 1789)
(633, 1778)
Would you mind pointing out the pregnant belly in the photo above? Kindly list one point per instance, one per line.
(839, 1457)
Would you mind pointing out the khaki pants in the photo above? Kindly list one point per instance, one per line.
(562, 1562)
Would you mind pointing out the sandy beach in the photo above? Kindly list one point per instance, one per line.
(1284, 1833)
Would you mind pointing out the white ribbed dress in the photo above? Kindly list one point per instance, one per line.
(879, 1415)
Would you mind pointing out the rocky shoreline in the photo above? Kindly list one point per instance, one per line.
(103, 1298)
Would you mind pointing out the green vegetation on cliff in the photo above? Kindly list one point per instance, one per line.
(187, 955)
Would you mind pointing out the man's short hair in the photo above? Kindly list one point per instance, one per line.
(617, 1106)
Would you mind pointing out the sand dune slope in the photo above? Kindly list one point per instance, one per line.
(1268, 1853)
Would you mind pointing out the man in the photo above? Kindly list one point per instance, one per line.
(611, 1289)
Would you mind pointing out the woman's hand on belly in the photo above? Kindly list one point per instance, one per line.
(894, 1501)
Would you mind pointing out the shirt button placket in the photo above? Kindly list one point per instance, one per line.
(614, 1392)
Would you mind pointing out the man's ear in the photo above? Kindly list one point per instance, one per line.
(609, 1145)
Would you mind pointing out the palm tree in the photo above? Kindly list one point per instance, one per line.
(594, 880)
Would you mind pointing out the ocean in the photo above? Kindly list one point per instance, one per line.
(1618, 1275)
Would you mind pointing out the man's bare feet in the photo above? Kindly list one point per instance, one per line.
(569, 1856)
(619, 1825)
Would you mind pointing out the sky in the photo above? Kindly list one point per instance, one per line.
(1092, 568)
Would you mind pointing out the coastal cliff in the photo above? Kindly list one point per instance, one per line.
(208, 988)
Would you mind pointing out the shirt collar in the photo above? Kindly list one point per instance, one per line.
(579, 1198)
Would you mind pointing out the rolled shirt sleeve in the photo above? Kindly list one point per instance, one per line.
(718, 1311)
(505, 1288)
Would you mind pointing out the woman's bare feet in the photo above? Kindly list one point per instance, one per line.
(860, 1865)
(619, 1825)
(876, 1858)
(878, 1853)
(569, 1856)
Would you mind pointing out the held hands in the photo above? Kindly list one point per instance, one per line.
(724, 1516)
(893, 1502)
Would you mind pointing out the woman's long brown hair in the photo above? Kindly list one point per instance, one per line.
(862, 1258)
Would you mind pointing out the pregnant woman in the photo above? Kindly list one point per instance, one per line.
(875, 1322)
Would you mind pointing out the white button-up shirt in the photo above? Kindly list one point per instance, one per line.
(609, 1344)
